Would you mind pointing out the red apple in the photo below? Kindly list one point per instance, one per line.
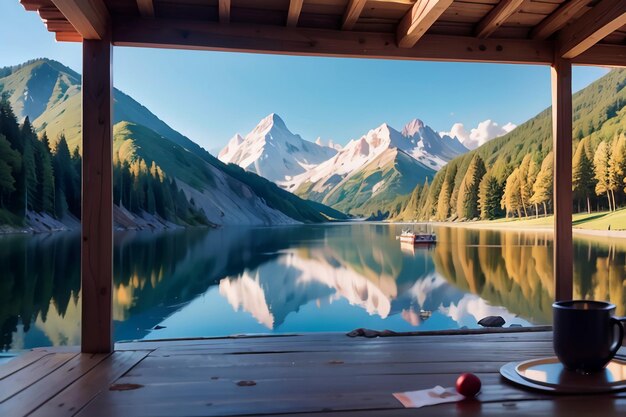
(468, 385)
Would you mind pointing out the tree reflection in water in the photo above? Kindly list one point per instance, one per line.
(284, 277)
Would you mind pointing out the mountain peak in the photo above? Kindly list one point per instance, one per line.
(269, 121)
(411, 128)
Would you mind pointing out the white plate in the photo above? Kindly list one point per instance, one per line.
(548, 374)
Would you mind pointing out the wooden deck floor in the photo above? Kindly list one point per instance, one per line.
(317, 374)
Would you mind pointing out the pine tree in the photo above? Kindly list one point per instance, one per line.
(10, 163)
(542, 188)
(45, 177)
(422, 200)
(29, 169)
(526, 178)
(617, 166)
(429, 209)
(10, 128)
(467, 200)
(512, 199)
(583, 181)
(601, 169)
(443, 202)
(67, 197)
(489, 197)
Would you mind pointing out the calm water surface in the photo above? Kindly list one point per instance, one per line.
(295, 279)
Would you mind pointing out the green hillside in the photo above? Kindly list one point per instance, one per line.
(49, 94)
(519, 169)
(377, 184)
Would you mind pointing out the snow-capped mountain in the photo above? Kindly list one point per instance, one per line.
(359, 178)
(373, 170)
(274, 152)
(428, 146)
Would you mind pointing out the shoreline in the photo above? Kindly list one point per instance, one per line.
(504, 226)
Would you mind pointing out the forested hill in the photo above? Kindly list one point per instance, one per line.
(160, 175)
(512, 175)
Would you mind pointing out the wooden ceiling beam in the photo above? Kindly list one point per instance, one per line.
(558, 19)
(295, 7)
(496, 17)
(606, 17)
(194, 35)
(90, 18)
(352, 14)
(146, 8)
(224, 10)
(603, 55)
(418, 20)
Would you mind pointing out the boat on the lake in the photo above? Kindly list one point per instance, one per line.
(419, 238)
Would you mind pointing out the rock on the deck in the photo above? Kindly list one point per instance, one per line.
(492, 321)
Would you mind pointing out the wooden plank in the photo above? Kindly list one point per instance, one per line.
(606, 17)
(89, 17)
(68, 37)
(162, 33)
(82, 391)
(561, 74)
(557, 20)
(353, 11)
(603, 55)
(28, 400)
(146, 8)
(582, 406)
(224, 10)
(418, 20)
(97, 198)
(497, 17)
(20, 362)
(50, 13)
(59, 26)
(21, 380)
(295, 7)
(337, 339)
(222, 397)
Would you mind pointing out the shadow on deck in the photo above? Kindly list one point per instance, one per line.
(316, 374)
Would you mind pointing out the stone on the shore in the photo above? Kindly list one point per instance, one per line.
(492, 321)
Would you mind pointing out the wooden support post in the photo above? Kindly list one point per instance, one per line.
(562, 147)
(97, 197)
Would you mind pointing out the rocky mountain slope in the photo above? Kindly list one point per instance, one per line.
(49, 94)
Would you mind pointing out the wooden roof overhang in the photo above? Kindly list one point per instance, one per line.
(588, 32)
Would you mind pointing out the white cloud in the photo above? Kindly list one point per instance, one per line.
(483, 133)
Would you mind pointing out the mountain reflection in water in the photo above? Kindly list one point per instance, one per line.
(334, 277)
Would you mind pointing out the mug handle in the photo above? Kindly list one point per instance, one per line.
(617, 321)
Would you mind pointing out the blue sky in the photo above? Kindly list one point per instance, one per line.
(209, 96)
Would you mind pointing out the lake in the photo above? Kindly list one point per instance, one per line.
(331, 277)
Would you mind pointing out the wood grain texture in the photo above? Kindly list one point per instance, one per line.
(352, 13)
(561, 74)
(326, 374)
(295, 7)
(497, 17)
(80, 392)
(37, 393)
(604, 55)
(161, 33)
(19, 381)
(97, 198)
(224, 11)
(21, 362)
(146, 8)
(558, 19)
(90, 18)
(606, 17)
(418, 20)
